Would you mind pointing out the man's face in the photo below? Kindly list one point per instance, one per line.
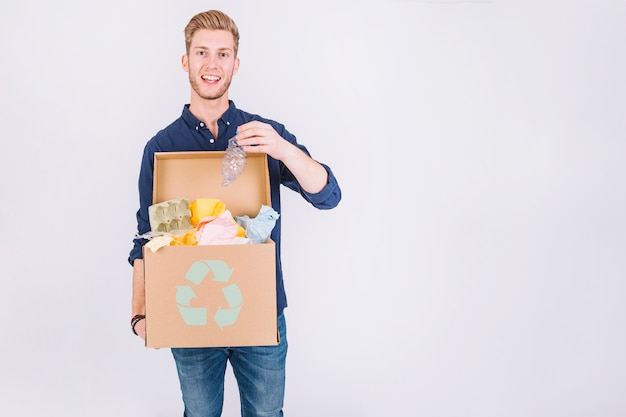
(211, 63)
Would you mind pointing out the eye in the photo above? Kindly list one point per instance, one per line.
(223, 54)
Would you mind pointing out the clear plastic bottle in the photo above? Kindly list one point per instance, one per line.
(233, 162)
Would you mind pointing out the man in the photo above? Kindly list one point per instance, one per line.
(206, 124)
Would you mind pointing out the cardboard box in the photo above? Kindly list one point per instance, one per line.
(214, 295)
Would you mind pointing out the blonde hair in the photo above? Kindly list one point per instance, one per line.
(214, 20)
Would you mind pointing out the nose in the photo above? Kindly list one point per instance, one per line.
(211, 61)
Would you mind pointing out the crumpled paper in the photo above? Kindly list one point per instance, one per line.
(158, 242)
(259, 228)
(176, 238)
(221, 230)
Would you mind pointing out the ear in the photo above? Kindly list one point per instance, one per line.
(236, 67)
(185, 62)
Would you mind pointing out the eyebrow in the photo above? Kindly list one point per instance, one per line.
(223, 48)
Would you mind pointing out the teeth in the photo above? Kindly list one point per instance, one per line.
(210, 77)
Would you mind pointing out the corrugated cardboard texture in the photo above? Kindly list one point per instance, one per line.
(253, 273)
(198, 175)
(232, 300)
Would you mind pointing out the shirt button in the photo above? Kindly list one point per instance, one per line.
(212, 140)
(201, 124)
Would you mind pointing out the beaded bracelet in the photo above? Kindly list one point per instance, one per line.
(136, 319)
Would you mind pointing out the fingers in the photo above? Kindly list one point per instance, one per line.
(253, 133)
(256, 136)
(259, 137)
(252, 126)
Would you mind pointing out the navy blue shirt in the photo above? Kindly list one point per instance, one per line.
(187, 133)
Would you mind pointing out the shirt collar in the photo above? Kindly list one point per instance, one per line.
(227, 118)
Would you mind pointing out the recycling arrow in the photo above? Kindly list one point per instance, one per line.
(221, 271)
(199, 270)
(226, 316)
(232, 295)
(197, 316)
(194, 316)
(184, 295)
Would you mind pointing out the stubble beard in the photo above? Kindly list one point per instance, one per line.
(215, 96)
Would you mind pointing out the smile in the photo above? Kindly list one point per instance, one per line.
(211, 78)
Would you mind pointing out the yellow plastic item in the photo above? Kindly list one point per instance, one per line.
(241, 232)
(186, 239)
(203, 207)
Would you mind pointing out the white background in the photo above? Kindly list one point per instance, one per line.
(475, 266)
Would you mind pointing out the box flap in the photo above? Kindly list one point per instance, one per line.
(194, 175)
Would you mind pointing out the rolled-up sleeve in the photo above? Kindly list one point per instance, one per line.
(329, 197)
(146, 175)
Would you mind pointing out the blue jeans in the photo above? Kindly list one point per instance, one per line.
(259, 370)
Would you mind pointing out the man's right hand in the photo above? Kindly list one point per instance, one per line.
(140, 328)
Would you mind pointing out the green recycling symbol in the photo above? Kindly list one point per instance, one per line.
(197, 316)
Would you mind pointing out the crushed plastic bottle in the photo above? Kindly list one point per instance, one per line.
(233, 162)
